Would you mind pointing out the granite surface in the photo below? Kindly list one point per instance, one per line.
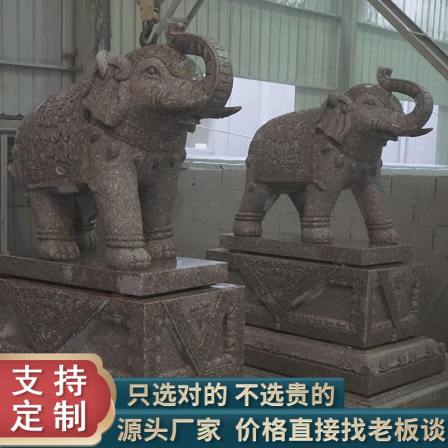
(431, 392)
(366, 372)
(349, 252)
(189, 333)
(358, 306)
(92, 273)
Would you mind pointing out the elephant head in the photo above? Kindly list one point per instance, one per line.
(156, 79)
(369, 115)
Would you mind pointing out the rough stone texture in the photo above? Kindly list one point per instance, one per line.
(429, 392)
(355, 253)
(122, 136)
(359, 306)
(366, 372)
(315, 154)
(92, 273)
(193, 333)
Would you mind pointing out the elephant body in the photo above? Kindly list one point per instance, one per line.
(120, 136)
(314, 154)
(288, 151)
(55, 147)
(52, 146)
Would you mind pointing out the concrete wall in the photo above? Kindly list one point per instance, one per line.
(34, 32)
(209, 194)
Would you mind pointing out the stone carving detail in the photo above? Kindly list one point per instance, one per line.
(194, 325)
(49, 317)
(400, 291)
(231, 323)
(386, 364)
(197, 332)
(415, 296)
(280, 286)
(321, 321)
(314, 154)
(337, 303)
(120, 135)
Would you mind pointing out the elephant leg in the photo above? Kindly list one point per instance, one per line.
(298, 200)
(317, 208)
(119, 208)
(85, 222)
(158, 200)
(258, 198)
(372, 202)
(53, 215)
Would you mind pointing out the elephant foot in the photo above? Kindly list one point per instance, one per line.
(247, 228)
(58, 250)
(319, 235)
(385, 237)
(161, 249)
(128, 259)
(87, 240)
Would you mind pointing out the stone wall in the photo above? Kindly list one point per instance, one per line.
(209, 194)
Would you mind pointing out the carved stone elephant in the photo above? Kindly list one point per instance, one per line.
(122, 135)
(313, 155)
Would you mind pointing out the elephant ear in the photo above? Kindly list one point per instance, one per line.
(335, 117)
(108, 100)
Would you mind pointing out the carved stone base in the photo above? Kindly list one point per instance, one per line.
(431, 392)
(195, 332)
(355, 295)
(366, 371)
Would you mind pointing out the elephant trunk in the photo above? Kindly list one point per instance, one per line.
(408, 124)
(209, 95)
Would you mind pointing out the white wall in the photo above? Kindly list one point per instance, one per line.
(231, 137)
(414, 150)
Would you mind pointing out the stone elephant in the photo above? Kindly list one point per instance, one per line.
(314, 154)
(121, 135)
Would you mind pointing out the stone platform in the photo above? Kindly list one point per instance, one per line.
(429, 392)
(91, 272)
(357, 295)
(347, 310)
(341, 252)
(366, 372)
(176, 319)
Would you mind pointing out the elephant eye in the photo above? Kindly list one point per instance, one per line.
(152, 70)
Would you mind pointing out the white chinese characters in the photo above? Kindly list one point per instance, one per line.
(69, 383)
